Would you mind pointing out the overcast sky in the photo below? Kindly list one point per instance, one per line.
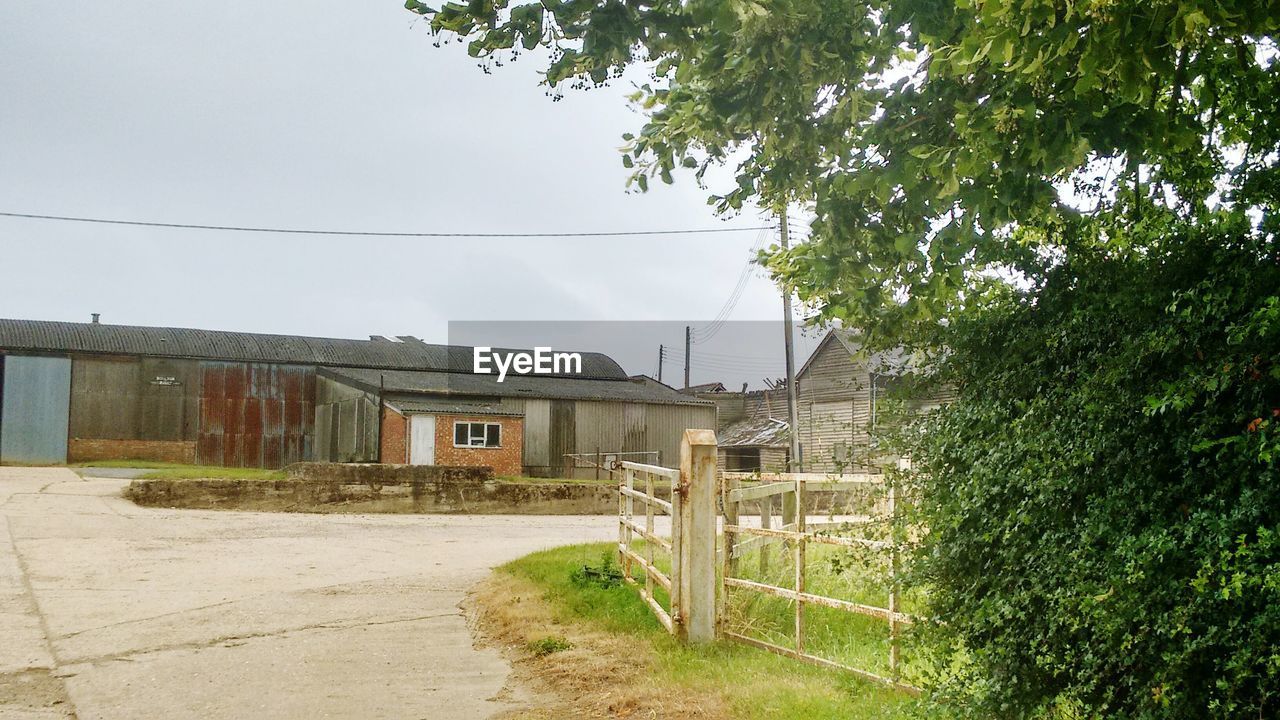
(335, 115)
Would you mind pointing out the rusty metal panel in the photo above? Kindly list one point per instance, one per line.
(36, 409)
(255, 414)
(209, 433)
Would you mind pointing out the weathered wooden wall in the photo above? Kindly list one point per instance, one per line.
(835, 411)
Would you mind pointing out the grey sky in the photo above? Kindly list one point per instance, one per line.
(324, 114)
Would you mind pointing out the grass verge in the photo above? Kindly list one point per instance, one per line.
(612, 658)
(203, 472)
(177, 471)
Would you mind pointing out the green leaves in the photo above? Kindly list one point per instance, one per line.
(1102, 495)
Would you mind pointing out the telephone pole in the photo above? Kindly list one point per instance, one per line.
(688, 343)
(788, 336)
(660, 363)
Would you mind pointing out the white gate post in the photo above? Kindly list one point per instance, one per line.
(697, 518)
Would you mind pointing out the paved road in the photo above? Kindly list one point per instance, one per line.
(108, 610)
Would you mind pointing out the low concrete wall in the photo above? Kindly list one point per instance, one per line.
(336, 488)
(386, 474)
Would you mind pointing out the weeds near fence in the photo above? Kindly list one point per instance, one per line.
(642, 669)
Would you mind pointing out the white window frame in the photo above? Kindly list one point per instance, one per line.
(471, 437)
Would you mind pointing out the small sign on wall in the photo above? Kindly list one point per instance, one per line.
(166, 381)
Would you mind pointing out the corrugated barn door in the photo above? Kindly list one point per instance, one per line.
(255, 415)
(36, 407)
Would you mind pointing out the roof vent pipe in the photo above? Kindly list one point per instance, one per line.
(95, 318)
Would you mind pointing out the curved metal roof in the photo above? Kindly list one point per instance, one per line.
(528, 386)
(405, 354)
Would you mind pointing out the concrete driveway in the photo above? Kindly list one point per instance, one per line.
(109, 610)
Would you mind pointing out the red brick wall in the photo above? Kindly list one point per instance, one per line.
(174, 451)
(505, 460)
(395, 433)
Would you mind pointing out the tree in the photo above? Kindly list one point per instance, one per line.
(932, 138)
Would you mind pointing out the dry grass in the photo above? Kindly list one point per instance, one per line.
(593, 649)
(603, 674)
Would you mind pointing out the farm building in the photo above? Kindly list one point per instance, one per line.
(839, 392)
(78, 392)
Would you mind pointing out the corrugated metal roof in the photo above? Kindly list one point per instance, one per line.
(531, 386)
(409, 354)
(756, 432)
(451, 407)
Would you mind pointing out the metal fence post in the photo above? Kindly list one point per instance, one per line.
(697, 521)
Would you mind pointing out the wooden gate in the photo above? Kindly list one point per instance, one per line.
(874, 506)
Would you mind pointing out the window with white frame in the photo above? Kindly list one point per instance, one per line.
(477, 434)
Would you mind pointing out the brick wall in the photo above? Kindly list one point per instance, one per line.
(173, 451)
(505, 460)
(395, 431)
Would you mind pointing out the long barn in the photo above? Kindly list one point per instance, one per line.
(80, 392)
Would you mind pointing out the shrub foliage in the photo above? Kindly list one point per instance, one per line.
(1103, 497)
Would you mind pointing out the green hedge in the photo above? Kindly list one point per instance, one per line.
(1103, 497)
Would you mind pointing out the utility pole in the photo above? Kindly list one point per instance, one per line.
(788, 336)
(659, 363)
(688, 343)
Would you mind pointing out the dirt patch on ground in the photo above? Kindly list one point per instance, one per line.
(34, 692)
(601, 675)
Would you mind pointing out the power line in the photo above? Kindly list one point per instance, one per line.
(722, 317)
(363, 233)
(722, 365)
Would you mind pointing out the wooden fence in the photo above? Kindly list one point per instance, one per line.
(697, 609)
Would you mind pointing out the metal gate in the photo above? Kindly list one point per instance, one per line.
(649, 478)
(870, 503)
(700, 606)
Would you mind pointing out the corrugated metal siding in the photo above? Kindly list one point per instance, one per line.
(599, 427)
(537, 435)
(36, 409)
(633, 428)
(665, 426)
(133, 399)
(255, 415)
(170, 393)
(105, 398)
(346, 423)
(562, 438)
